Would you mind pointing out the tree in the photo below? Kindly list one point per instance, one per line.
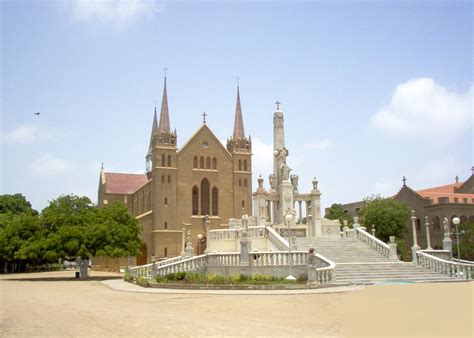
(15, 205)
(74, 229)
(388, 215)
(466, 241)
(337, 212)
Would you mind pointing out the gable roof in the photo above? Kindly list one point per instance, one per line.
(201, 129)
(448, 191)
(119, 183)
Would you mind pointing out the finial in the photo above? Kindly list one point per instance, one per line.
(204, 117)
(278, 104)
(165, 70)
(238, 81)
(456, 179)
(102, 166)
(404, 179)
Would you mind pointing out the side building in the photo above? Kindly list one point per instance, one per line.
(436, 203)
(185, 192)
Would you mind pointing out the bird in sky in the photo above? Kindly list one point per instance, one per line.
(37, 113)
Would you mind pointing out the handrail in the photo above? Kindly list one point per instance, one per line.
(276, 240)
(373, 242)
(324, 273)
(444, 266)
(443, 254)
(463, 261)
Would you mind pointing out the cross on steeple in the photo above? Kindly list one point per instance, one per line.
(165, 69)
(278, 104)
(238, 81)
(457, 179)
(404, 179)
(204, 117)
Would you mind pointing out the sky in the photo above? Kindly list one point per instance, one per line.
(371, 91)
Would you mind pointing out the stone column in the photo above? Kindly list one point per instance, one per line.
(392, 253)
(447, 242)
(260, 203)
(415, 246)
(315, 209)
(244, 248)
(300, 220)
(427, 227)
(188, 250)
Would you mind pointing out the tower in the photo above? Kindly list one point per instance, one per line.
(164, 176)
(241, 149)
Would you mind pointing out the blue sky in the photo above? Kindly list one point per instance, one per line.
(371, 91)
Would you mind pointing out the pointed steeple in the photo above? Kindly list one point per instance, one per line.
(238, 122)
(164, 116)
(154, 129)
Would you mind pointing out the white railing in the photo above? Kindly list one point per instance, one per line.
(443, 254)
(277, 258)
(373, 242)
(257, 232)
(276, 240)
(195, 263)
(463, 261)
(449, 268)
(326, 273)
(224, 235)
(223, 259)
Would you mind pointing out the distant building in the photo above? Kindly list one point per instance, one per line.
(451, 200)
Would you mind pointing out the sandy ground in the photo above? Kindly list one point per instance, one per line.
(44, 304)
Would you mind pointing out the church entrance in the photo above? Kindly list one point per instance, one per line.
(141, 259)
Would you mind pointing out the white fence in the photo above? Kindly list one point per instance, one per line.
(449, 268)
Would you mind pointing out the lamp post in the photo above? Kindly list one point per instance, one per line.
(199, 238)
(288, 219)
(456, 222)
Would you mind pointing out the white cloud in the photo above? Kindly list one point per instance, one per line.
(47, 165)
(114, 11)
(425, 108)
(26, 134)
(320, 145)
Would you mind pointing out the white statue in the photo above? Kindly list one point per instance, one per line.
(294, 181)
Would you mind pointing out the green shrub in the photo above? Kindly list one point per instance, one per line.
(142, 281)
(161, 279)
(195, 278)
(260, 279)
(128, 277)
(216, 278)
(55, 267)
(302, 278)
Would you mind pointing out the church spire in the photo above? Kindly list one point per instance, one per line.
(238, 122)
(154, 129)
(164, 116)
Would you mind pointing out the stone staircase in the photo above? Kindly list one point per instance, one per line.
(357, 263)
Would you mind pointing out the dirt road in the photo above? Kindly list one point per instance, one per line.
(32, 307)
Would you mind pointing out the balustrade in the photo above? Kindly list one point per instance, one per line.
(373, 242)
(450, 268)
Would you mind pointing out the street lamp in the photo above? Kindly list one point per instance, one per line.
(199, 237)
(288, 219)
(456, 222)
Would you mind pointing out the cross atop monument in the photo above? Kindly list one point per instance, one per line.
(457, 179)
(404, 179)
(278, 104)
(204, 117)
(165, 69)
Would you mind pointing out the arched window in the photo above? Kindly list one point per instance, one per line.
(240, 165)
(166, 200)
(163, 160)
(240, 182)
(162, 178)
(169, 179)
(166, 252)
(205, 197)
(169, 160)
(214, 163)
(243, 204)
(201, 162)
(245, 182)
(195, 199)
(208, 163)
(215, 201)
(195, 162)
(166, 225)
(245, 165)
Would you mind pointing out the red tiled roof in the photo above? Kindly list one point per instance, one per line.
(446, 191)
(118, 183)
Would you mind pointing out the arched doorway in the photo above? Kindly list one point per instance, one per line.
(141, 259)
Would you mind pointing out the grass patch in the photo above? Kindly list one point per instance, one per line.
(199, 278)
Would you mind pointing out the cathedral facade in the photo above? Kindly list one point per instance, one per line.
(185, 191)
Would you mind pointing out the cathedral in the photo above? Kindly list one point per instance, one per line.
(186, 191)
